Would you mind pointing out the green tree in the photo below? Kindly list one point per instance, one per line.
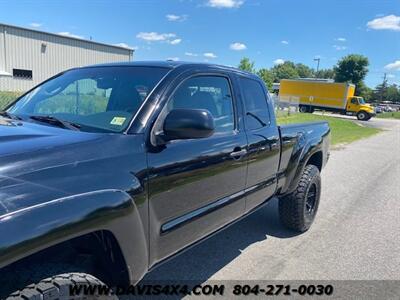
(247, 65)
(325, 73)
(304, 71)
(364, 91)
(287, 70)
(393, 93)
(381, 90)
(267, 76)
(351, 68)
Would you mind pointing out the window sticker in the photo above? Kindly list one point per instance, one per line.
(119, 121)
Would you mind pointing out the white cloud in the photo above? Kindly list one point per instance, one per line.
(155, 37)
(191, 54)
(225, 3)
(238, 46)
(339, 48)
(279, 61)
(390, 22)
(285, 42)
(123, 45)
(391, 76)
(175, 41)
(209, 55)
(176, 18)
(36, 25)
(341, 39)
(69, 34)
(173, 58)
(170, 38)
(394, 66)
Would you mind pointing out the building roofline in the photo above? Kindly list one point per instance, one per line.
(68, 37)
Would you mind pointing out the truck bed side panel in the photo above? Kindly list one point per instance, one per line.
(299, 143)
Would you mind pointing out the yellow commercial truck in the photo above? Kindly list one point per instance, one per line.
(311, 94)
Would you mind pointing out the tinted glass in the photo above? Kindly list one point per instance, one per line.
(98, 99)
(257, 112)
(207, 92)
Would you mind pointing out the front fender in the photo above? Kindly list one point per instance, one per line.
(34, 228)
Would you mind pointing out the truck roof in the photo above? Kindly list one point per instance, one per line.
(172, 65)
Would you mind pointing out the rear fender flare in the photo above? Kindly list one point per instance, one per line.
(299, 163)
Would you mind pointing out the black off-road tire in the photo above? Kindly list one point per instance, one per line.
(295, 209)
(58, 287)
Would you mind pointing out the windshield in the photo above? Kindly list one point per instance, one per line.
(97, 99)
(361, 100)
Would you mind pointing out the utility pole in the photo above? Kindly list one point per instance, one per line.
(317, 59)
(383, 87)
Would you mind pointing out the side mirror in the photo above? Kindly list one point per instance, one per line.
(181, 124)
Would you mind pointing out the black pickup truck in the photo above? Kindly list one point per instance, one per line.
(107, 170)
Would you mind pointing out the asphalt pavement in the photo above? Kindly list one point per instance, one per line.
(356, 234)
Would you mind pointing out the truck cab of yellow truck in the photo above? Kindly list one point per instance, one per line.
(323, 94)
(357, 106)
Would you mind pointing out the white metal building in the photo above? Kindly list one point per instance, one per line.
(27, 56)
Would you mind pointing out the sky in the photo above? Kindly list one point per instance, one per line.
(269, 32)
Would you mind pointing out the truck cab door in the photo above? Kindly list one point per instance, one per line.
(352, 105)
(264, 143)
(197, 186)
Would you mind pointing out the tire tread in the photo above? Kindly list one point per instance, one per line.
(291, 207)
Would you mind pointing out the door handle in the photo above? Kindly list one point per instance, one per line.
(238, 154)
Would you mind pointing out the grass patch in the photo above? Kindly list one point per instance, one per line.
(342, 131)
(389, 115)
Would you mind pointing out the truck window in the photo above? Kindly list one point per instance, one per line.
(255, 101)
(354, 101)
(207, 92)
(102, 99)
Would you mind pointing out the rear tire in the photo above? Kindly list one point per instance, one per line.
(303, 109)
(297, 210)
(58, 287)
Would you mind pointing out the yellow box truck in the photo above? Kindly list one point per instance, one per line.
(311, 94)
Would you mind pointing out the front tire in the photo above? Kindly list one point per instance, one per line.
(297, 211)
(363, 116)
(58, 287)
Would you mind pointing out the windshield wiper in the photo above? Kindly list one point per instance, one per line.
(6, 114)
(57, 122)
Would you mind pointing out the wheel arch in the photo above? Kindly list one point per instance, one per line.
(29, 231)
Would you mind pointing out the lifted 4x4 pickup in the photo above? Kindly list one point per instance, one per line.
(105, 171)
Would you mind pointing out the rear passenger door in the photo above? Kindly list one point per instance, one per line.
(263, 142)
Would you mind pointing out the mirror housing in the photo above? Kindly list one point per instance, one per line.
(183, 124)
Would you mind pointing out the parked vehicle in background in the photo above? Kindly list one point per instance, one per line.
(378, 110)
(311, 94)
(388, 108)
(125, 165)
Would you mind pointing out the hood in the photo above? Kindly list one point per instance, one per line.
(39, 163)
(17, 137)
(367, 107)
